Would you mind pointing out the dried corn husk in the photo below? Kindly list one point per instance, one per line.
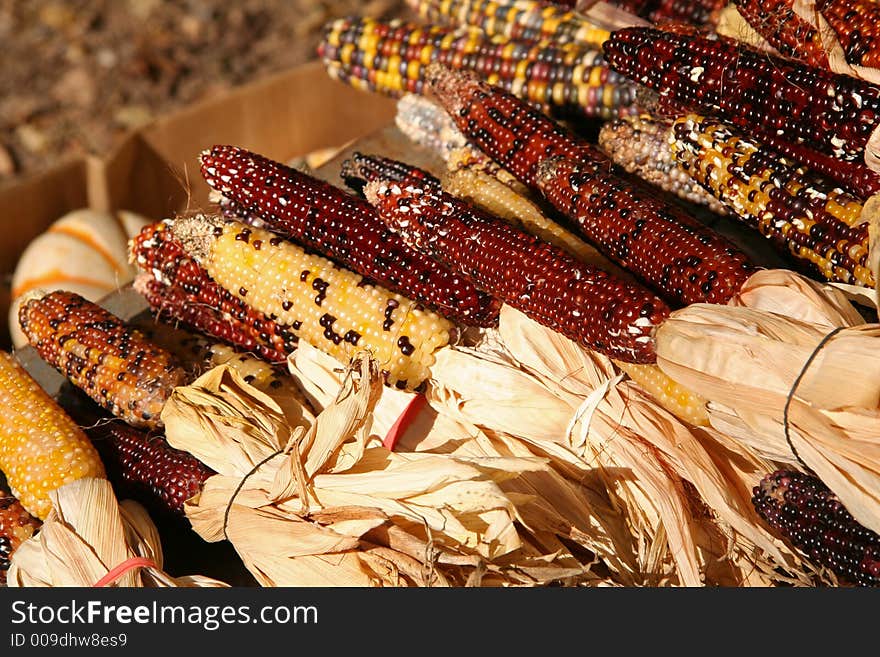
(323, 503)
(86, 535)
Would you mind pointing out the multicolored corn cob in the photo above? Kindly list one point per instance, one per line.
(701, 13)
(177, 287)
(146, 468)
(390, 57)
(785, 30)
(803, 215)
(331, 308)
(856, 24)
(832, 113)
(41, 447)
(669, 250)
(682, 402)
(342, 227)
(528, 20)
(111, 362)
(640, 145)
(584, 303)
(16, 526)
(807, 513)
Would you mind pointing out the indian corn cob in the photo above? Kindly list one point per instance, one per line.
(343, 227)
(41, 447)
(805, 511)
(701, 13)
(358, 169)
(657, 242)
(390, 57)
(640, 145)
(111, 362)
(146, 468)
(176, 286)
(856, 23)
(682, 402)
(333, 309)
(16, 526)
(785, 30)
(528, 20)
(833, 113)
(425, 123)
(817, 223)
(584, 303)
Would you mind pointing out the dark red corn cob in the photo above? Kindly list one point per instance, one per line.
(807, 513)
(146, 468)
(856, 23)
(586, 304)
(776, 21)
(666, 248)
(693, 12)
(833, 113)
(344, 228)
(360, 169)
(176, 286)
(16, 526)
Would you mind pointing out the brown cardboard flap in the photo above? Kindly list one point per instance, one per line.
(283, 116)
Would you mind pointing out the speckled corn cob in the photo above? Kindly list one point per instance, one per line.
(41, 447)
(586, 304)
(857, 26)
(817, 223)
(805, 511)
(640, 145)
(515, 19)
(342, 227)
(390, 57)
(790, 34)
(669, 250)
(832, 113)
(331, 308)
(16, 526)
(146, 468)
(674, 397)
(177, 287)
(358, 169)
(111, 362)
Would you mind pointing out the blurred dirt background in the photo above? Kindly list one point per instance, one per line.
(76, 75)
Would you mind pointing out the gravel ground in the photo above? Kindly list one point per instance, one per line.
(76, 75)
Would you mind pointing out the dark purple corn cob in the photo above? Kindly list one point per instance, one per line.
(669, 250)
(586, 304)
(344, 228)
(176, 286)
(832, 113)
(807, 513)
(147, 468)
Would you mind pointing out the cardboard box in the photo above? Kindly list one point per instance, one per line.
(155, 171)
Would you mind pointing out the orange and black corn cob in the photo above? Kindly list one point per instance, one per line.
(669, 250)
(146, 468)
(856, 23)
(176, 286)
(111, 362)
(343, 227)
(16, 526)
(829, 112)
(791, 35)
(584, 303)
(528, 20)
(807, 513)
(804, 216)
(390, 57)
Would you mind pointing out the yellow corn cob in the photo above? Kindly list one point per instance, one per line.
(816, 222)
(331, 308)
(640, 145)
(101, 355)
(41, 447)
(674, 397)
